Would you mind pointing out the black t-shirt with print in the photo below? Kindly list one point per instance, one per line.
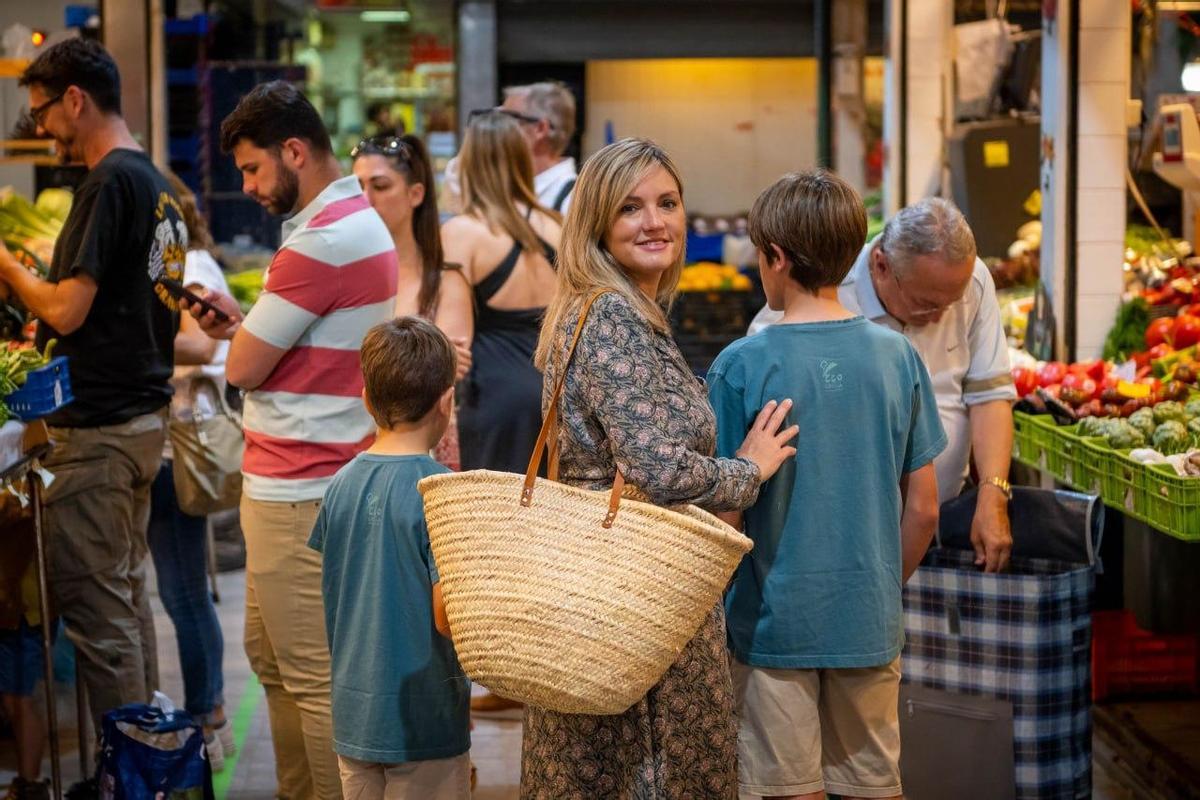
(125, 230)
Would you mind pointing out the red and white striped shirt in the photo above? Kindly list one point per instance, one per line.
(331, 281)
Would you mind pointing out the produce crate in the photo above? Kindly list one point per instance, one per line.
(1042, 432)
(1065, 454)
(1094, 454)
(46, 389)
(1172, 502)
(1128, 661)
(1024, 447)
(1123, 485)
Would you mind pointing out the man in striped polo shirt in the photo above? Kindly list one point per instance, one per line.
(296, 355)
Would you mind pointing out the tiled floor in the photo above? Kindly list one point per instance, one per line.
(496, 743)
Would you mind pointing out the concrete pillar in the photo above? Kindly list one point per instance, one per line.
(917, 81)
(478, 81)
(125, 31)
(1105, 30)
(849, 110)
(1084, 153)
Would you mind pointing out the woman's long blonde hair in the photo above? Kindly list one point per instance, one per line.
(497, 173)
(584, 264)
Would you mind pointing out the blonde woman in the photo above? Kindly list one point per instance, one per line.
(632, 404)
(504, 242)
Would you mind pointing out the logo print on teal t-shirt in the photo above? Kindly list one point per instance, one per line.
(374, 508)
(833, 377)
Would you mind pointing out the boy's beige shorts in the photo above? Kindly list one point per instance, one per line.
(804, 730)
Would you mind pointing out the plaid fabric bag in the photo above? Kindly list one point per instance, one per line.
(1023, 636)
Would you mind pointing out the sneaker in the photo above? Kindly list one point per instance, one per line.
(488, 704)
(216, 754)
(21, 789)
(224, 732)
(84, 790)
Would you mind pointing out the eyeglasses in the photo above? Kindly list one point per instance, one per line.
(508, 112)
(390, 146)
(920, 310)
(38, 113)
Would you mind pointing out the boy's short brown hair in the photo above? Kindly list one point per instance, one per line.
(817, 220)
(407, 365)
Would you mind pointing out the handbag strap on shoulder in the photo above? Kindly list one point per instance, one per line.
(548, 445)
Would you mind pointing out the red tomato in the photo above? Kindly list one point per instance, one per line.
(1110, 382)
(1080, 381)
(1098, 369)
(1190, 311)
(1051, 372)
(1187, 331)
(1160, 331)
(1025, 380)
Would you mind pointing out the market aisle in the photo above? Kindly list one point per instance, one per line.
(496, 748)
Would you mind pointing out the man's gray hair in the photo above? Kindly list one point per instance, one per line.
(552, 102)
(932, 226)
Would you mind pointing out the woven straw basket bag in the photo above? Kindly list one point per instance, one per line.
(571, 600)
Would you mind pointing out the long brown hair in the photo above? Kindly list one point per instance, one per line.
(497, 173)
(584, 264)
(199, 237)
(413, 164)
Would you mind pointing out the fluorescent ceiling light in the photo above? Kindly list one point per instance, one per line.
(399, 15)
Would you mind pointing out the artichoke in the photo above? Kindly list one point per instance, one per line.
(1170, 437)
(1096, 426)
(1168, 411)
(1123, 436)
(1192, 409)
(1193, 427)
(1143, 421)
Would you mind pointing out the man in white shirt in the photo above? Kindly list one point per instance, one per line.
(921, 277)
(547, 114)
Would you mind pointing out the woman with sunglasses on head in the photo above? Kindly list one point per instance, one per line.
(397, 178)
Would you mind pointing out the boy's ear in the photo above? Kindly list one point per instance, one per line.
(367, 403)
(446, 403)
(776, 260)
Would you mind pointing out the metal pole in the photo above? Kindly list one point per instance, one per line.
(823, 28)
(35, 495)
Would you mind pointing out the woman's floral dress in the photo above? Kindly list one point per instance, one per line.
(631, 401)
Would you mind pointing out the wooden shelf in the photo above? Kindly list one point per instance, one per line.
(12, 67)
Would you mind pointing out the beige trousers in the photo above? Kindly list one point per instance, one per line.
(436, 779)
(286, 645)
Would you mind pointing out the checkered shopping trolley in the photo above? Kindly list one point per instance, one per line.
(1022, 637)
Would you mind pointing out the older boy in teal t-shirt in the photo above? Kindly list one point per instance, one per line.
(814, 616)
(400, 700)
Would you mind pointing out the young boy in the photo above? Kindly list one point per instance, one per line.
(814, 615)
(400, 699)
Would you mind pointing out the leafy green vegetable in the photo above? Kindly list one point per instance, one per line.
(1192, 409)
(54, 204)
(1128, 333)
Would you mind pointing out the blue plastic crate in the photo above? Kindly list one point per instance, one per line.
(46, 390)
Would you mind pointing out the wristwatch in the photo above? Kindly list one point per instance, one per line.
(1000, 484)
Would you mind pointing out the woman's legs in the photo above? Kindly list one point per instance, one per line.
(177, 544)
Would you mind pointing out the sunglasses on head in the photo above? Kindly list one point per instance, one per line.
(508, 112)
(391, 146)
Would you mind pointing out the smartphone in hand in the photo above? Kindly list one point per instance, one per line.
(181, 292)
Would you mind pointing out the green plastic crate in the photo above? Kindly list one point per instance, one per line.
(1123, 485)
(1172, 502)
(1041, 432)
(1093, 461)
(1024, 449)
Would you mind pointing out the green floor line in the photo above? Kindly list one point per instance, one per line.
(251, 697)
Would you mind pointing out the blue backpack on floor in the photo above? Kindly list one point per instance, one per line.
(150, 754)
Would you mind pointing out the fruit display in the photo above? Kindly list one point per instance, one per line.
(246, 286)
(708, 276)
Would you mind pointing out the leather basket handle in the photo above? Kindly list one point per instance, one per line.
(547, 441)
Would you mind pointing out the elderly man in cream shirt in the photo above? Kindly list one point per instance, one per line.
(921, 277)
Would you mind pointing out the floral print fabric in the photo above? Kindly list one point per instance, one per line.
(630, 401)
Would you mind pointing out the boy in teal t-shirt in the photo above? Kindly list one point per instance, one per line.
(401, 713)
(814, 616)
